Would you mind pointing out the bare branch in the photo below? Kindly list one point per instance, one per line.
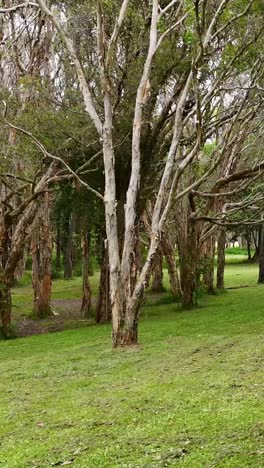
(53, 157)
(16, 7)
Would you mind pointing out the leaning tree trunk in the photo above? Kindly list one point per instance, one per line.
(169, 254)
(87, 292)
(221, 243)
(157, 275)
(42, 259)
(261, 255)
(103, 307)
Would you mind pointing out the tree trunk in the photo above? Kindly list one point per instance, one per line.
(87, 292)
(221, 243)
(42, 260)
(188, 280)
(157, 281)
(21, 265)
(68, 254)
(188, 250)
(261, 255)
(103, 308)
(208, 258)
(169, 254)
(5, 309)
(58, 248)
(249, 249)
(127, 333)
(255, 257)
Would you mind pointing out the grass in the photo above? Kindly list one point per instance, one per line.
(191, 395)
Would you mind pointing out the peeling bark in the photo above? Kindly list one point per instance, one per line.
(42, 259)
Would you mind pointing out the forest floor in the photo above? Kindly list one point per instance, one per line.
(191, 394)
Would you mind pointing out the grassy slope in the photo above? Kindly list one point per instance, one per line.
(191, 395)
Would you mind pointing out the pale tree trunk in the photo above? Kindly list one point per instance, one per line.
(169, 254)
(42, 259)
(87, 292)
(221, 243)
(103, 308)
(157, 275)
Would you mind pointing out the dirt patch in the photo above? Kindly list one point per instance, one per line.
(66, 315)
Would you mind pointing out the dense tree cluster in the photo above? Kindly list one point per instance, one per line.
(131, 131)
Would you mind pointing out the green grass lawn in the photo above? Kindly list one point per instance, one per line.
(191, 395)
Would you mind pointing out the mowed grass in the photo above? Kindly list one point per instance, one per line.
(191, 395)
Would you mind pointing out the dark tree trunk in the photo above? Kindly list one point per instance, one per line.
(249, 249)
(157, 275)
(208, 257)
(103, 307)
(221, 243)
(42, 260)
(87, 292)
(58, 248)
(5, 308)
(168, 251)
(188, 281)
(189, 254)
(261, 255)
(255, 257)
(68, 254)
(21, 265)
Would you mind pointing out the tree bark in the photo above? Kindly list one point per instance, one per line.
(221, 243)
(249, 249)
(261, 255)
(169, 254)
(208, 259)
(42, 259)
(103, 308)
(58, 248)
(87, 292)
(5, 308)
(157, 275)
(21, 264)
(68, 254)
(189, 255)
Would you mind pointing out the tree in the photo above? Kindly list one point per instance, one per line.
(211, 28)
(162, 82)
